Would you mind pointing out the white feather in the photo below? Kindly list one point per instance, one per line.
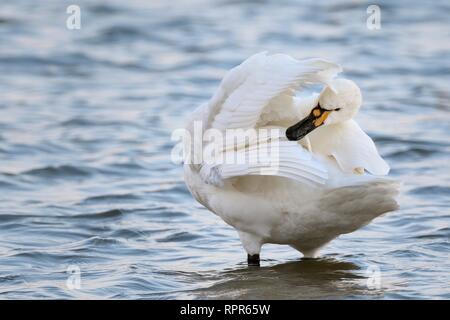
(350, 146)
(260, 91)
(248, 89)
(287, 159)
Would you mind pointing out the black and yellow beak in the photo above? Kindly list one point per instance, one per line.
(315, 119)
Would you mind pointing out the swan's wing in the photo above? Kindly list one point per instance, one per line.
(257, 87)
(265, 156)
(248, 89)
(350, 146)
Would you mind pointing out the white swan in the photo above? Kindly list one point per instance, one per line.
(319, 189)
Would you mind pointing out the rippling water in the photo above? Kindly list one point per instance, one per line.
(85, 122)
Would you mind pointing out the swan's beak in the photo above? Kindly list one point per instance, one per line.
(315, 119)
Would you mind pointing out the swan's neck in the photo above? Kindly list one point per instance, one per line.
(303, 106)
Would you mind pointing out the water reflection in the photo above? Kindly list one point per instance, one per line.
(302, 279)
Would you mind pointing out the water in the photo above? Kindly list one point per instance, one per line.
(85, 174)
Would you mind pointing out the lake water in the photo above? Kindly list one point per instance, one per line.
(86, 181)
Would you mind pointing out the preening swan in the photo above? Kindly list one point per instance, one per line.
(324, 179)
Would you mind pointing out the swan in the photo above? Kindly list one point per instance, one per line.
(327, 179)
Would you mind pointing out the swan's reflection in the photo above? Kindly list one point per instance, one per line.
(301, 279)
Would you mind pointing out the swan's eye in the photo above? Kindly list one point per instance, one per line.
(337, 109)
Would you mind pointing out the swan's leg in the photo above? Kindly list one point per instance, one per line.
(252, 244)
(308, 252)
(312, 253)
(253, 259)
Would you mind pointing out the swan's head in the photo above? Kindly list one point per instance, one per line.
(338, 102)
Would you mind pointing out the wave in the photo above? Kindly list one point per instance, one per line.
(62, 171)
(114, 213)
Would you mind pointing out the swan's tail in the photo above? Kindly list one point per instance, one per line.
(355, 205)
